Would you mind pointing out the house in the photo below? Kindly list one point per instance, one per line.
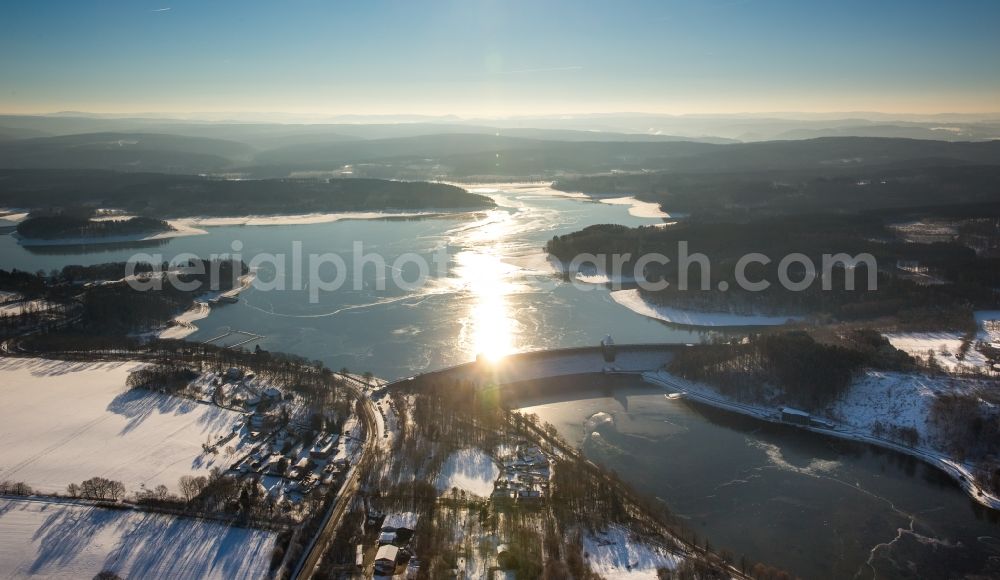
(324, 447)
(301, 468)
(794, 416)
(386, 538)
(401, 525)
(385, 559)
(400, 521)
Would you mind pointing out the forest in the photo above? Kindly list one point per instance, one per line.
(962, 278)
(116, 306)
(806, 373)
(754, 193)
(191, 195)
(75, 225)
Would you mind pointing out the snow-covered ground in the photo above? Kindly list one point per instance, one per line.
(7, 296)
(41, 539)
(893, 400)
(643, 209)
(63, 422)
(17, 308)
(470, 470)
(614, 554)
(293, 220)
(896, 399)
(634, 301)
(945, 347)
(10, 217)
(988, 322)
(181, 229)
(184, 323)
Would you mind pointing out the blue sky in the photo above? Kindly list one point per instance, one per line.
(481, 57)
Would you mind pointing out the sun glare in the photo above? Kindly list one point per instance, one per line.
(489, 330)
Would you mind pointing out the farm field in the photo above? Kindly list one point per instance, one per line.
(64, 422)
(42, 539)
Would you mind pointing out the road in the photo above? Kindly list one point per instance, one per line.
(335, 515)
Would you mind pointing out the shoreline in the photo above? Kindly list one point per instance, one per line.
(634, 301)
(961, 474)
(182, 325)
(193, 226)
(311, 218)
(180, 230)
(637, 207)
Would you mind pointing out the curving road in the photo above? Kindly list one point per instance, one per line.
(335, 514)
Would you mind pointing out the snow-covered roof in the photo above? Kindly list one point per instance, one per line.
(387, 552)
(406, 520)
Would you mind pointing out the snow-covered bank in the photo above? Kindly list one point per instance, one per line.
(634, 301)
(65, 422)
(886, 399)
(183, 325)
(637, 208)
(301, 219)
(42, 539)
(11, 217)
(180, 229)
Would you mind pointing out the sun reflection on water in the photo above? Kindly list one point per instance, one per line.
(489, 329)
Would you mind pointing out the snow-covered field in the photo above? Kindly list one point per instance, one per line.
(40, 539)
(470, 470)
(945, 346)
(632, 300)
(63, 422)
(615, 555)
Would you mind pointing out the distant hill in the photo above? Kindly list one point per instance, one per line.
(831, 152)
(124, 152)
(943, 132)
(460, 155)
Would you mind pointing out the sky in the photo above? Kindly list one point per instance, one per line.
(499, 58)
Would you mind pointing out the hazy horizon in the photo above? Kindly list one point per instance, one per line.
(490, 59)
